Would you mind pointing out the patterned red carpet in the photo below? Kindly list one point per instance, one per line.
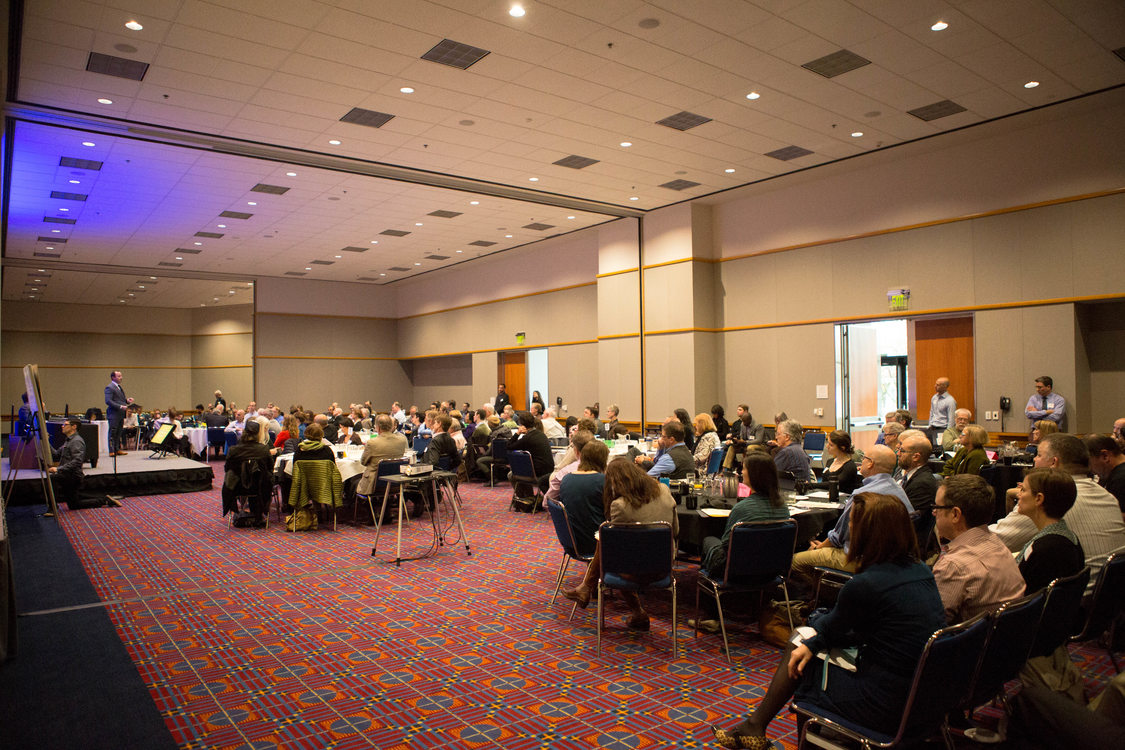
(255, 638)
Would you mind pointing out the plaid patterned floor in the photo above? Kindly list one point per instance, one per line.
(254, 638)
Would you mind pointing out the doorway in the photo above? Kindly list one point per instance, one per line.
(512, 372)
(872, 376)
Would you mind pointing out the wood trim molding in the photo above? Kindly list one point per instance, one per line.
(500, 299)
(607, 274)
(102, 333)
(119, 366)
(317, 315)
(524, 347)
(618, 336)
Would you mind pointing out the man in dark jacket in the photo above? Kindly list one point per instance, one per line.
(67, 475)
(532, 440)
(673, 460)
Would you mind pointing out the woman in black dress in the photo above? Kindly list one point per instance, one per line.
(1045, 495)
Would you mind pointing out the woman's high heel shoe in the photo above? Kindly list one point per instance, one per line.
(736, 740)
(577, 595)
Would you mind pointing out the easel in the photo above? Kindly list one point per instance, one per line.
(41, 447)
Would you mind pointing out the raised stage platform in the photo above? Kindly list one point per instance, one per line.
(136, 474)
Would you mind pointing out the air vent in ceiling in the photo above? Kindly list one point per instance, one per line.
(788, 153)
(366, 278)
(394, 233)
(839, 62)
(454, 54)
(397, 268)
(575, 162)
(368, 117)
(37, 275)
(937, 110)
(321, 262)
(444, 214)
(235, 215)
(353, 249)
(680, 184)
(294, 273)
(482, 243)
(70, 161)
(47, 255)
(59, 220)
(138, 291)
(189, 250)
(169, 264)
(262, 187)
(210, 235)
(683, 121)
(120, 67)
(63, 196)
(437, 257)
(538, 227)
(53, 240)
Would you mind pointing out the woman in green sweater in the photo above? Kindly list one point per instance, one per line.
(970, 456)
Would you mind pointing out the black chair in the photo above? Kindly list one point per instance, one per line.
(386, 467)
(523, 472)
(1061, 612)
(216, 438)
(924, 523)
(94, 414)
(940, 683)
(1106, 604)
(248, 487)
(565, 534)
(420, 444)
(499, 459)
(636, 557)
(758, 558)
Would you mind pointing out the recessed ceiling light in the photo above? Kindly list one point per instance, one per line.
(290, 174)
(508, 236)
(939, 26)
(417, 264)
(753, 95)
(41, 270)
(198, 243)
(133, 26)
(406, 90)
(516, 11)
(570, 217)
(179, 257)
(105, 101)
(374, 242)
(132, 295)
(417, 223)
(222, 226)
(460, 251)
(533, 179)
(308, 268)
(64, 209)
(1031, 84)
(382, 274)
(334, 142)
(857, 134)
(140, 286)
(74, 182)
(50, 247)
(728, 170)
(626, 144)
(339, 256)
(89, 144)
(35, 289)
(56, 231)
(633, 198)
(216, 299)
(474, 203)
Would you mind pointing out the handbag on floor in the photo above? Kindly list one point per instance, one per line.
(773, 623)
(303, 519)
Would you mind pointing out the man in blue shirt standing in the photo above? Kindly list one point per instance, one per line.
(1045, 404)
(943, 408)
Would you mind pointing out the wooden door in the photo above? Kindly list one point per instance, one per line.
(513, 374)
(943, 347)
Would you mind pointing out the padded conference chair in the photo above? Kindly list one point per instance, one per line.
(1106, 604)
(317, 482)
(1060, 614)
(420, 444)
(565, 534)
(759, 556)
(523, 472)
(217, 439)
(636, 557)
(715, 461)
(940, 683)
(499, 459)
(386, 467)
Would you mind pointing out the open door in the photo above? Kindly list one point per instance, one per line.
(943, 347)
(513, 374)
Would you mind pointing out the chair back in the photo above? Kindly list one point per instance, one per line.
(562, 527)
(230, 439)
(216, 436)
(1060, 613)
(94, 413)
(637, 555)
(500, 450)
(523, 470)
(924, 523)
(387, 467)
(715, 461)
(443, 462)
(421, 443)
(467, 433)
(1013, 632)
(1109, 596)
(759, 552)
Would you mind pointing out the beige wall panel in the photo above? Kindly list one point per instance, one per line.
(564, 316)
(617, 246)
(317, 383)
(1080, 421)
(703, 231)
(307, 335)
(668, 297)
(236, 383)
(102, 351)
(572, 372)
(669, 375)
(707, 367)
(750, 294)
(83, 388)
(311, 296)
(1104, 337)
(1098, 231)
(1044, 236)
(226, 319)
(619, 376)
(668, 234)
(233, 349)
(750, 373)
(935, 264)
(862, 272)
(707, 307)
(35, 316)
(618, 304)
(996, 243)
(484, 377)
(442, 379)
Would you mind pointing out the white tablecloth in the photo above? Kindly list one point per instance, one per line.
(197, 436)
(103, 436)
(349, 465)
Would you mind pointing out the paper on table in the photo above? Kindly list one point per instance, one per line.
(715, 512)
(818, 504)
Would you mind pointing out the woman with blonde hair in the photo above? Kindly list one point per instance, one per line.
(970, 456)
(706, 440)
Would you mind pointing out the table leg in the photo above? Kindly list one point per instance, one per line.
(435, 517)
(460, 526)
(379, 519)
(398, 535)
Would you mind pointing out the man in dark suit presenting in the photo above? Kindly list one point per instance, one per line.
(116, 403)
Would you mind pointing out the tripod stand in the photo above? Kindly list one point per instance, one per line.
(26, 443)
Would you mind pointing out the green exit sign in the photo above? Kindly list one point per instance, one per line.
(898, 300)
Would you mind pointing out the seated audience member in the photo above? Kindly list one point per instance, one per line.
(508, 418)
(1039, 430)
(1095, 517)
(613, 411)
(891, 432)
(1108, 462)
(271, 413)
(130, 428)
(496, 430)
(216, 417)
(591, 412)
(314, 447)
(177, 440)
(765, 503)
(397, 413)
(889, 609)
(531, 439)
(580, 492)
(577, 442)
(875, 468)
(975, 572)
(950, 439)
(328, 426)
(673, 459)
(441, 444)
(1045, 720)
(290, 431)
(630, 496)
(902, 416)
(238, 424)
(689, 428)
(239, 479)
(386, 443)
(1045, 496)
(67, 476)
(1119, 432)
(263, 432)
(551, 426)
(916, 478)
(889, 418)
(970, 456)
(790, 456)
(455, 429)
(746, 430)
(839, 464)
(706, 440)
(536, 409)
(722, 426)
(571, 455)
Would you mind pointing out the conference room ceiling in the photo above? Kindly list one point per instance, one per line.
(570, 81)
(51, 285)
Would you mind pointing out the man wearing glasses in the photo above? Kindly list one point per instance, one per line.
(975, 572)
(917, 479)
